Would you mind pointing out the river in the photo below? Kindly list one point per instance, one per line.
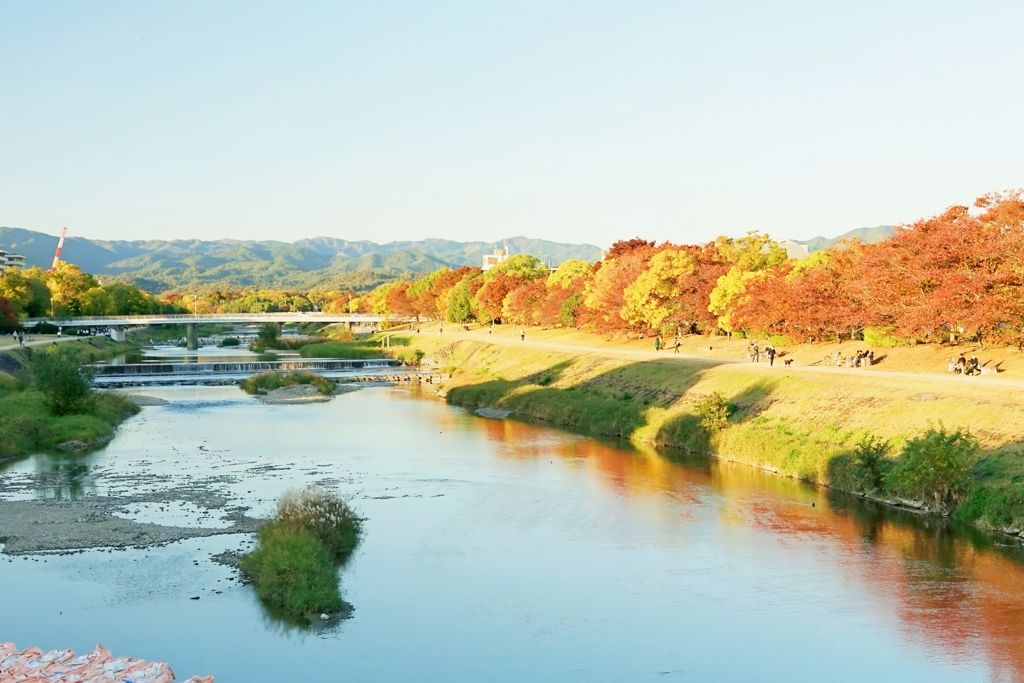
(502, 551)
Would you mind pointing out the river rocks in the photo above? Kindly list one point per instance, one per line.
(143, 401)
(56, 526)
(494, 413)
(73, 445)
(297, 393)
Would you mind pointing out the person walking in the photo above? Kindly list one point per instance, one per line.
(771, 356)
(675, 347)
(522, 334)
(757, 353)
(657, 343)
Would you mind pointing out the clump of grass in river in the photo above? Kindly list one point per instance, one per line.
(269, 381)
(294, 567)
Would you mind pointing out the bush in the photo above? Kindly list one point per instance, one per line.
(882, 337)
(338, 333)
(229, 341)
(934, 468)
(294, 567)
(268, 336)
(61, 377)
(292, 570)
(871, 463)
(271, 380)
(713, 412)
(325, 515)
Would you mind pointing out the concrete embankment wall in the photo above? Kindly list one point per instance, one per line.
(795, 423)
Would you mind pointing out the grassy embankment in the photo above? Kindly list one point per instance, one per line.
(27, 423)
(799, 424)
(295, 566)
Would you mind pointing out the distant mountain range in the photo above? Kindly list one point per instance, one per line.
(320, 262)
(869, 235)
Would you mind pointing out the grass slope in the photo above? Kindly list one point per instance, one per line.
(26, 425)
(798, 424)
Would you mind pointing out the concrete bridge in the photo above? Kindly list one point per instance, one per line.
(118, 324)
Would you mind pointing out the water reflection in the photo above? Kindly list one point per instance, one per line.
(57, 476)
(951, 585)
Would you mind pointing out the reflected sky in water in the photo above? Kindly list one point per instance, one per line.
(498, 550)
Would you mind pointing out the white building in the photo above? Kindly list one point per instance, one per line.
(7, 260)
(491, 260)
(794, 250)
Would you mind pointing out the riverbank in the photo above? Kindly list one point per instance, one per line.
(26, 423)
(789, 421)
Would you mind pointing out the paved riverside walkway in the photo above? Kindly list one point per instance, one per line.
(510, 336)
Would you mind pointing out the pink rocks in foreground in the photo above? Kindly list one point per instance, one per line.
(62, 666)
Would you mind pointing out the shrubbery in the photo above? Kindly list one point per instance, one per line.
(294, 567)
(713, 412)
(62, 378)
(871, 463)
(935, 468)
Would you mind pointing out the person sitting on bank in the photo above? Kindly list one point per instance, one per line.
(961, 364)
(973, 366)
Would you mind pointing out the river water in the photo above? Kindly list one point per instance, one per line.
(502, 551)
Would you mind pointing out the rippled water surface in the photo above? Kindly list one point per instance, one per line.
(501, 551)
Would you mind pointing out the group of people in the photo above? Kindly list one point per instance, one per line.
(659, 344)
(962, 366)
(861, 359)
(755, 351)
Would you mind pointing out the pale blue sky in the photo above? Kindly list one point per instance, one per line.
(572, 121)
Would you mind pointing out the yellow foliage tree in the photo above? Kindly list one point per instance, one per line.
(655, 296)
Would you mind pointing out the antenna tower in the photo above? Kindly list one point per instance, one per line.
(56, 254)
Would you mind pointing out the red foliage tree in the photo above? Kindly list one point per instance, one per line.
(8, 318)
(523, 304)
(492, 294)
(624, 247)
(946, 273)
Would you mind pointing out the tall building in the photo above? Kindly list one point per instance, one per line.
(491, 260)
(8, 260)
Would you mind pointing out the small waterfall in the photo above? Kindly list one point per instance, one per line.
(241, 367)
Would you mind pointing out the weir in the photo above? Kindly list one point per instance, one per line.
(241, 367)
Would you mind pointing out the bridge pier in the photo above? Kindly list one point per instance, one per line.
(117, 334)
(192, 336)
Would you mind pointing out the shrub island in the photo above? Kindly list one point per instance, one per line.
(294, 567)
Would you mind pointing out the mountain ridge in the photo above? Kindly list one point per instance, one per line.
(317, 262)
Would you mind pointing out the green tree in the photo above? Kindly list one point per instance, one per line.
(934, 468)
(460, 303)
(66, 285)
(96, 301)
(63, 380)
(528, 267)
(268, 335)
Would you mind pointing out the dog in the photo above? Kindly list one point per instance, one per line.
(787, 361)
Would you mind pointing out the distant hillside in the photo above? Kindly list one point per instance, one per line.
(876, 234)
(320, 262)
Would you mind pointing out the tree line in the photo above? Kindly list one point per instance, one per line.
(958, 274)
(67, 291)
